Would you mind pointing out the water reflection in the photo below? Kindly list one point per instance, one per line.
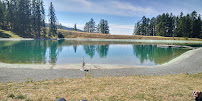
(58, 52)
(30, 52)
(90, 50)
(55, 49)
(101, 50)
(153, 53)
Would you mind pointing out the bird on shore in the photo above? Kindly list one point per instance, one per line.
(83, 66)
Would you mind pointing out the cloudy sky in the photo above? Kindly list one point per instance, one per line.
(120, 14)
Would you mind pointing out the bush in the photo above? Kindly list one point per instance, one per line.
(186, 38)
(60, 35)
(11, 95)
(20, 97)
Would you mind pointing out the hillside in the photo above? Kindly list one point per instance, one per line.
(76, 34)
(8, 34)
(66, 28)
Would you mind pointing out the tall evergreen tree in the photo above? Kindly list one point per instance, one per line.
(170, 25)
(90, 26)
(86, 27)
(103, 27)
(23, 17)
(43, 17)
(75, 29)
(153, 27)
(137, 29)
(193, 24)
(52, 20)
(34, 16)
(12, 9)
(1, 14)
(39, 19)
(143, 25)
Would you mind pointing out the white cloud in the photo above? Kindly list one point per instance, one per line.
(121, 29)
(84, 2)
(133, 10)
(71, 25)
(111, 7)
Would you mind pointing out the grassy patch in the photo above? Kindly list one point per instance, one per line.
(20, 96)
(133, 88)
(8, 34)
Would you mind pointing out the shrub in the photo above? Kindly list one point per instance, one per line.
(186, 38)
(11, 95)
(60, 35)
(20, 97)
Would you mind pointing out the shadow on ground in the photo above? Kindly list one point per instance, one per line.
(4, 35)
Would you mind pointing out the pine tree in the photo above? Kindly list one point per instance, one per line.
(43, 17)
(86, 27)
(153, 26)
(52, 20)
(75, 29)
(90, 26)
(23, 18)
(38, 19)
(34, 16)
(12, 9)
(193, 24)
(1, 14)
(137, 29)
(103, 27)
(171, 26)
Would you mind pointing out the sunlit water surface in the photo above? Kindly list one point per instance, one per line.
(72, 52)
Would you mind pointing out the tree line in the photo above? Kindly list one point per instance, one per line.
(169, 25)
(102, 27)
(27, 18)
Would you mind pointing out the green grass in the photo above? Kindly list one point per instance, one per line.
(132, 88)
(8, 34)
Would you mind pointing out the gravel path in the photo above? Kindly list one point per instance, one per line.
(189, 62)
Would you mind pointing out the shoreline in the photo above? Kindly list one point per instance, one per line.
(113, 40)
(188, 62)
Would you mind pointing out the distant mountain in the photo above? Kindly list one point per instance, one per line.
(66, 28)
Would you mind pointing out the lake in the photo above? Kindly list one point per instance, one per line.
(94, 52)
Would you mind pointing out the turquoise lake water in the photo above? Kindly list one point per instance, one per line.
(72, 52)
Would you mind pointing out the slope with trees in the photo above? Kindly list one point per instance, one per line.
(168, 25)
(26, 18)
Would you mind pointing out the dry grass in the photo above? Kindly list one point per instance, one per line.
(133, 88)
(76, 34)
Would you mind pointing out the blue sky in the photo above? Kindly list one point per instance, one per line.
(120, 14)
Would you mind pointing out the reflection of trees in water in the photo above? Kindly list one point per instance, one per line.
(30, 51)
(24, 52)
(90, 50)
(101, 49)
(53, 53)
(153, 53)
(75, 48)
